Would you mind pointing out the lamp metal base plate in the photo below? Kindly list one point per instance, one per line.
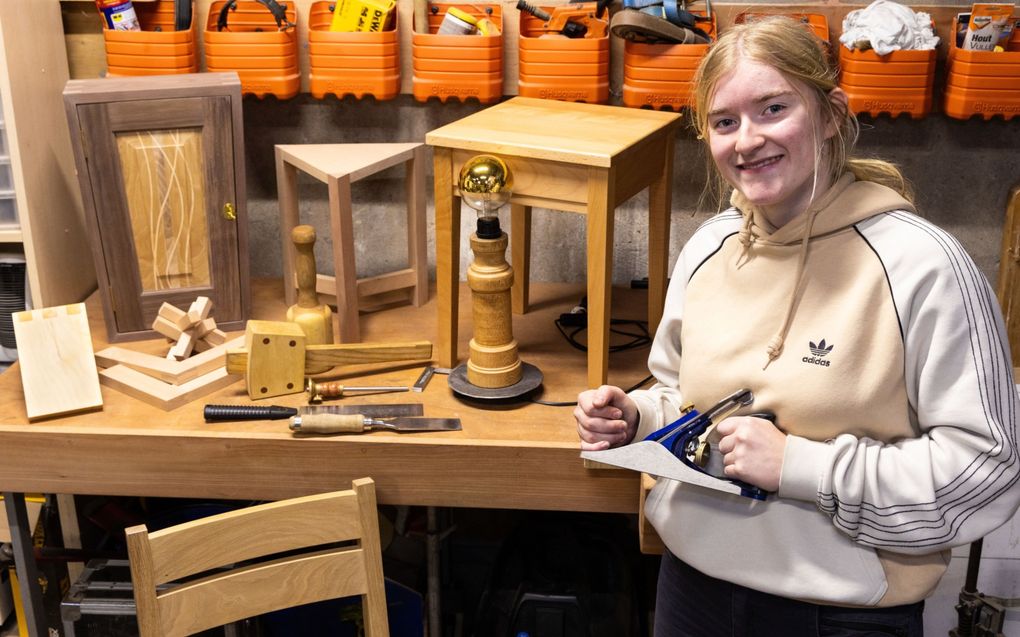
(531, 379)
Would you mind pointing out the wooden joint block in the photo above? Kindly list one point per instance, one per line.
(167, 328)
(215, 337)
(200, 309)
(175, 315)
(203, 327)
(183, 348)
(276, 358)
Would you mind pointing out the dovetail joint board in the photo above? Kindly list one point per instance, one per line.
(58, 371)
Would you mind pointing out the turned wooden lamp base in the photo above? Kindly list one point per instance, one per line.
(494, 365)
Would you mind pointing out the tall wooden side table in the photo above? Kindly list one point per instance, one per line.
(575, 157)
(338, 165)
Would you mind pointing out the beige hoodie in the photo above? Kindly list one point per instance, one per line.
(840, 322)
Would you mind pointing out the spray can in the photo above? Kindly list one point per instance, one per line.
(119, 15)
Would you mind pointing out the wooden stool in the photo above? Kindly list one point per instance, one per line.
(569, 156)
(338, 165)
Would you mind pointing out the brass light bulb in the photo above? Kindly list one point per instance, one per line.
(485, 184)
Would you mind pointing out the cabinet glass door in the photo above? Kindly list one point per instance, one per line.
(164, 176)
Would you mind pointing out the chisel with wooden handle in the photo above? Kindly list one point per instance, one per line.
(317, 356)
(357, 423)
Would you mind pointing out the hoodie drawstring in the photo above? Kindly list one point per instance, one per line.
(775, 345)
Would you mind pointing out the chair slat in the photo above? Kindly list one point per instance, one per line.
(236, 536)
(250, 591)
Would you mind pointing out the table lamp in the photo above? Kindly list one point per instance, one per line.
(494, 369)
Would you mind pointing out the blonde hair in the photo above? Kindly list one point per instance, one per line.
(792, 49)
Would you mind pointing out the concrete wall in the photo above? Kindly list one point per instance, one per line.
(963, 172)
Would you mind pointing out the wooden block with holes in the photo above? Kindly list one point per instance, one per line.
(276, 357)
(58, 369)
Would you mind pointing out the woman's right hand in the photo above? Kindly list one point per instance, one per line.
(606, 417)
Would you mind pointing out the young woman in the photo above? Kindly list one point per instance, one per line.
(866, 330)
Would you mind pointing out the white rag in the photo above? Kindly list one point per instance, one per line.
(889, 27)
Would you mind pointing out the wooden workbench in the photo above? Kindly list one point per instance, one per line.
(522, 456)
(519, 456)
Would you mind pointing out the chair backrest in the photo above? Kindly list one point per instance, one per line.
(298, 538)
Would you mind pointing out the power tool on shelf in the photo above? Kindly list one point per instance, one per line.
(575, 20)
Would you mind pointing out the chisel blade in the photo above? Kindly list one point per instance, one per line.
(370, 411)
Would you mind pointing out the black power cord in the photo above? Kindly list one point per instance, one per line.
(576, 320)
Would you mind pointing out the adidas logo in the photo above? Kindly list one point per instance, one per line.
(819, 352)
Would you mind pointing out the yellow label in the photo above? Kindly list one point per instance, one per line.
(362, 15)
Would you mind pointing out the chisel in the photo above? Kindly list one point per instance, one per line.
(357, 423)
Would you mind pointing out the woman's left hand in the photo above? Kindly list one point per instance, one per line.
(752, 451)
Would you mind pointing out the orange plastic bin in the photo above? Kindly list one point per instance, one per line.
(459, 66)
(264, 57)
(898, 83)
(151, 51)
(984, 83)
(569, 69)
(357, 63)
(660, 76)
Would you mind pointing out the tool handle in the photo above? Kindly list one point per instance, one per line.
(329, 423)
(304, 263)
(236, 360)
(219, 413)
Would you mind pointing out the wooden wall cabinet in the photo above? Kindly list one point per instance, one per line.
(161, 169)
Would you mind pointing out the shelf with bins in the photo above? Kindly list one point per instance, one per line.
(984, 83)
(898, 83)
(459, 66)
(661, 76)
(157, 49)
(264, 56)
(351, 63)
(569, 69)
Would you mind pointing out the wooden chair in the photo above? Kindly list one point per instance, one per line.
(312, 568)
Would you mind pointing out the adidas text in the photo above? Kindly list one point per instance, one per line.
(815, 361)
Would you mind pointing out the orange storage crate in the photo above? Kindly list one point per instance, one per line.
(151, 52)
(901, 82)
(661, 76)
(568, 69)
(983, 83)
(357, 63)
(454, 54)
(264, 57)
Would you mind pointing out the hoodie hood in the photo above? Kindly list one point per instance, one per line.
(847, 202)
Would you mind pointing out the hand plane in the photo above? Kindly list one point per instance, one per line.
(681, 450)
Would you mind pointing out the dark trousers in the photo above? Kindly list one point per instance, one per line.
(692, 604)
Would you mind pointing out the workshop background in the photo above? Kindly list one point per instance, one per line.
(962, 171)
